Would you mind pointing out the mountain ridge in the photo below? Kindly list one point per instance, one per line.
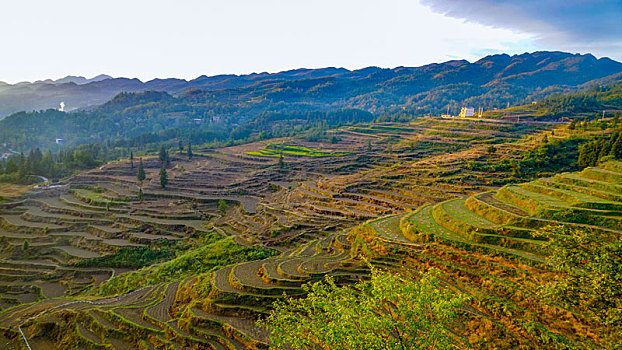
(522, 73)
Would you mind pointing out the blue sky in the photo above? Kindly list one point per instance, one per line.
(187, 38)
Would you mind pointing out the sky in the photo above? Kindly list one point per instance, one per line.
(187, 38)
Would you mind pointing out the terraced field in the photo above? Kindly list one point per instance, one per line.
(412, 186)
(504, 220)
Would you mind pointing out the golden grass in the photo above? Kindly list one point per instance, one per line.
(9, 191)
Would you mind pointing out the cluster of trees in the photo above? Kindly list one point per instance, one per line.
(575, 103)
(557, 155)
(590, 265)
(134, 257)
(311, 125)
(18, 168)
(593, 152)
(386, 312)
(551, 156)
(25, 169)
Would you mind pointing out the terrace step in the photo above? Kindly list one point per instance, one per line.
(247, 327)
(245, 276)
(603, 175)
(160, 311)
(389, 228)
(270, 274)
(573, 198)
(577, 186)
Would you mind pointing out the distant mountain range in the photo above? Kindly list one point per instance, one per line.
(491, 82)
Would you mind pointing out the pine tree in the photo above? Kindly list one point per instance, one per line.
(616, 148)
(25, 245)
(141, 176)
(189, 150)
(588, 154)
(281, 163)
(181, 147)
(368, 144)
(132, 159)
(163, 177)
(140, 194)
(163, 156)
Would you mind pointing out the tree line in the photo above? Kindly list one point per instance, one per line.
(593, 152)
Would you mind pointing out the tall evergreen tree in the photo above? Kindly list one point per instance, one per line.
(163, 177)
(141, 176)
(132, 159)
(163, 155)
(189, 150)
(616, 147)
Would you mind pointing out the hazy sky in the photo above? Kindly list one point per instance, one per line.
(187, 38)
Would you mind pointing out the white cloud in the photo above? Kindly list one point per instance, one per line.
(187, 38)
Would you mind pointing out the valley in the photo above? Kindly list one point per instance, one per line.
(408, 194)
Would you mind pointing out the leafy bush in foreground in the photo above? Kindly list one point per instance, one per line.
(387, 312)
(591, 267)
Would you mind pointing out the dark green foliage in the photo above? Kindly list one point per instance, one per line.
(388, 312)
(551, 157)
(163, 178)
(592, 152)
(163, 156)
(558, 105)
(190, 150)
(591, 262)
(215, 252)
(132, 159)
(222, 206)
(140, 175)
(140, 194)
(134, 257)
(25, 245)
(19, 168)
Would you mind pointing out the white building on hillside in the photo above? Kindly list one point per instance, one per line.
(467, 112)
